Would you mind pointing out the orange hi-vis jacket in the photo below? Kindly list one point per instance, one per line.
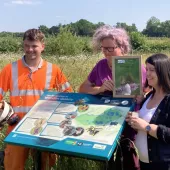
(26, 86)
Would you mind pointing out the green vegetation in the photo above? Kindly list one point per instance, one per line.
(10, 44)
(143, 44)
(64, 43)
(75, 38)
(73, 67)
(69, 44)
(76, 69)
(70, 47)
(110, 114)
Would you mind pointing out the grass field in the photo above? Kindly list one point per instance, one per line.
(76, 69)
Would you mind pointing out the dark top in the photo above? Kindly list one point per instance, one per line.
(159, 149)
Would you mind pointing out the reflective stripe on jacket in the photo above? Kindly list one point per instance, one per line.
(26, 86)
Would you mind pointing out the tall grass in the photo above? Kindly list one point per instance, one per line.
(76, 69)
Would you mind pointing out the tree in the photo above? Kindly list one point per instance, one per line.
(54, 29)
(153, 27)
(99, 24)
(128, 28)
(83, 28)
(165, 28)
(80, 28)
(44, 29)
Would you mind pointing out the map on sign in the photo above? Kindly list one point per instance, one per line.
(57, 117)
(52, 119)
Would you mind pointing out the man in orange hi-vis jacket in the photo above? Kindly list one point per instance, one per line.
(26, 79)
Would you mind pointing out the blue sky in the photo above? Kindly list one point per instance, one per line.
(20, 15)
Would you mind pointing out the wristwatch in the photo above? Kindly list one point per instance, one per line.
(148, 128)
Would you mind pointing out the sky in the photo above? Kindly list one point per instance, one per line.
(21, 15)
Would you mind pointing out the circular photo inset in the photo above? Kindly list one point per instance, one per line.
(65, 123)
(83, 108)
(79, 131)
(125, 102)
(69, 130)
(71, 115)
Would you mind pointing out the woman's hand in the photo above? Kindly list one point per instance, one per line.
(107, 86)
(138, 123)
(128, 117)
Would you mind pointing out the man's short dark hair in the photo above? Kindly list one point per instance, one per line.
(34, 35)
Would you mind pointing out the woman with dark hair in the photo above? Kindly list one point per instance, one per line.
(153, 123)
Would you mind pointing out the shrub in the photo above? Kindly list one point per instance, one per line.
(65, 43)
(158, 44)
(10, 44)
(138, 41)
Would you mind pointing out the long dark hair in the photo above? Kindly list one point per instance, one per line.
(161, 62)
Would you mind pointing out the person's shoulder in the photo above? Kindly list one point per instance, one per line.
(101, 62)
(168, 97)
(55, 67)
(7, 68)
(9, 65)
(14, 62)
(166, 102)
(47, 62)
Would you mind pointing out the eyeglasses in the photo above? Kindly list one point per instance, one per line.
(109, 49)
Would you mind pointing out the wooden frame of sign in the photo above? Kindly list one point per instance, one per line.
(126, 72)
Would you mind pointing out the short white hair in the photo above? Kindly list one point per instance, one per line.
(119, 35)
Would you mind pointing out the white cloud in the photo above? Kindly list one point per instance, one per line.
(23, 2)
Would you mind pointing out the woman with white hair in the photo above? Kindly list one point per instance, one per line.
(112, 42)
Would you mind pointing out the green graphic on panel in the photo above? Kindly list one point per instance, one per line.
(93, 119)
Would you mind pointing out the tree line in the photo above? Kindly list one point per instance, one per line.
(154, 28)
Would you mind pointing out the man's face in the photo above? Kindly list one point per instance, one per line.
(33, 49)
